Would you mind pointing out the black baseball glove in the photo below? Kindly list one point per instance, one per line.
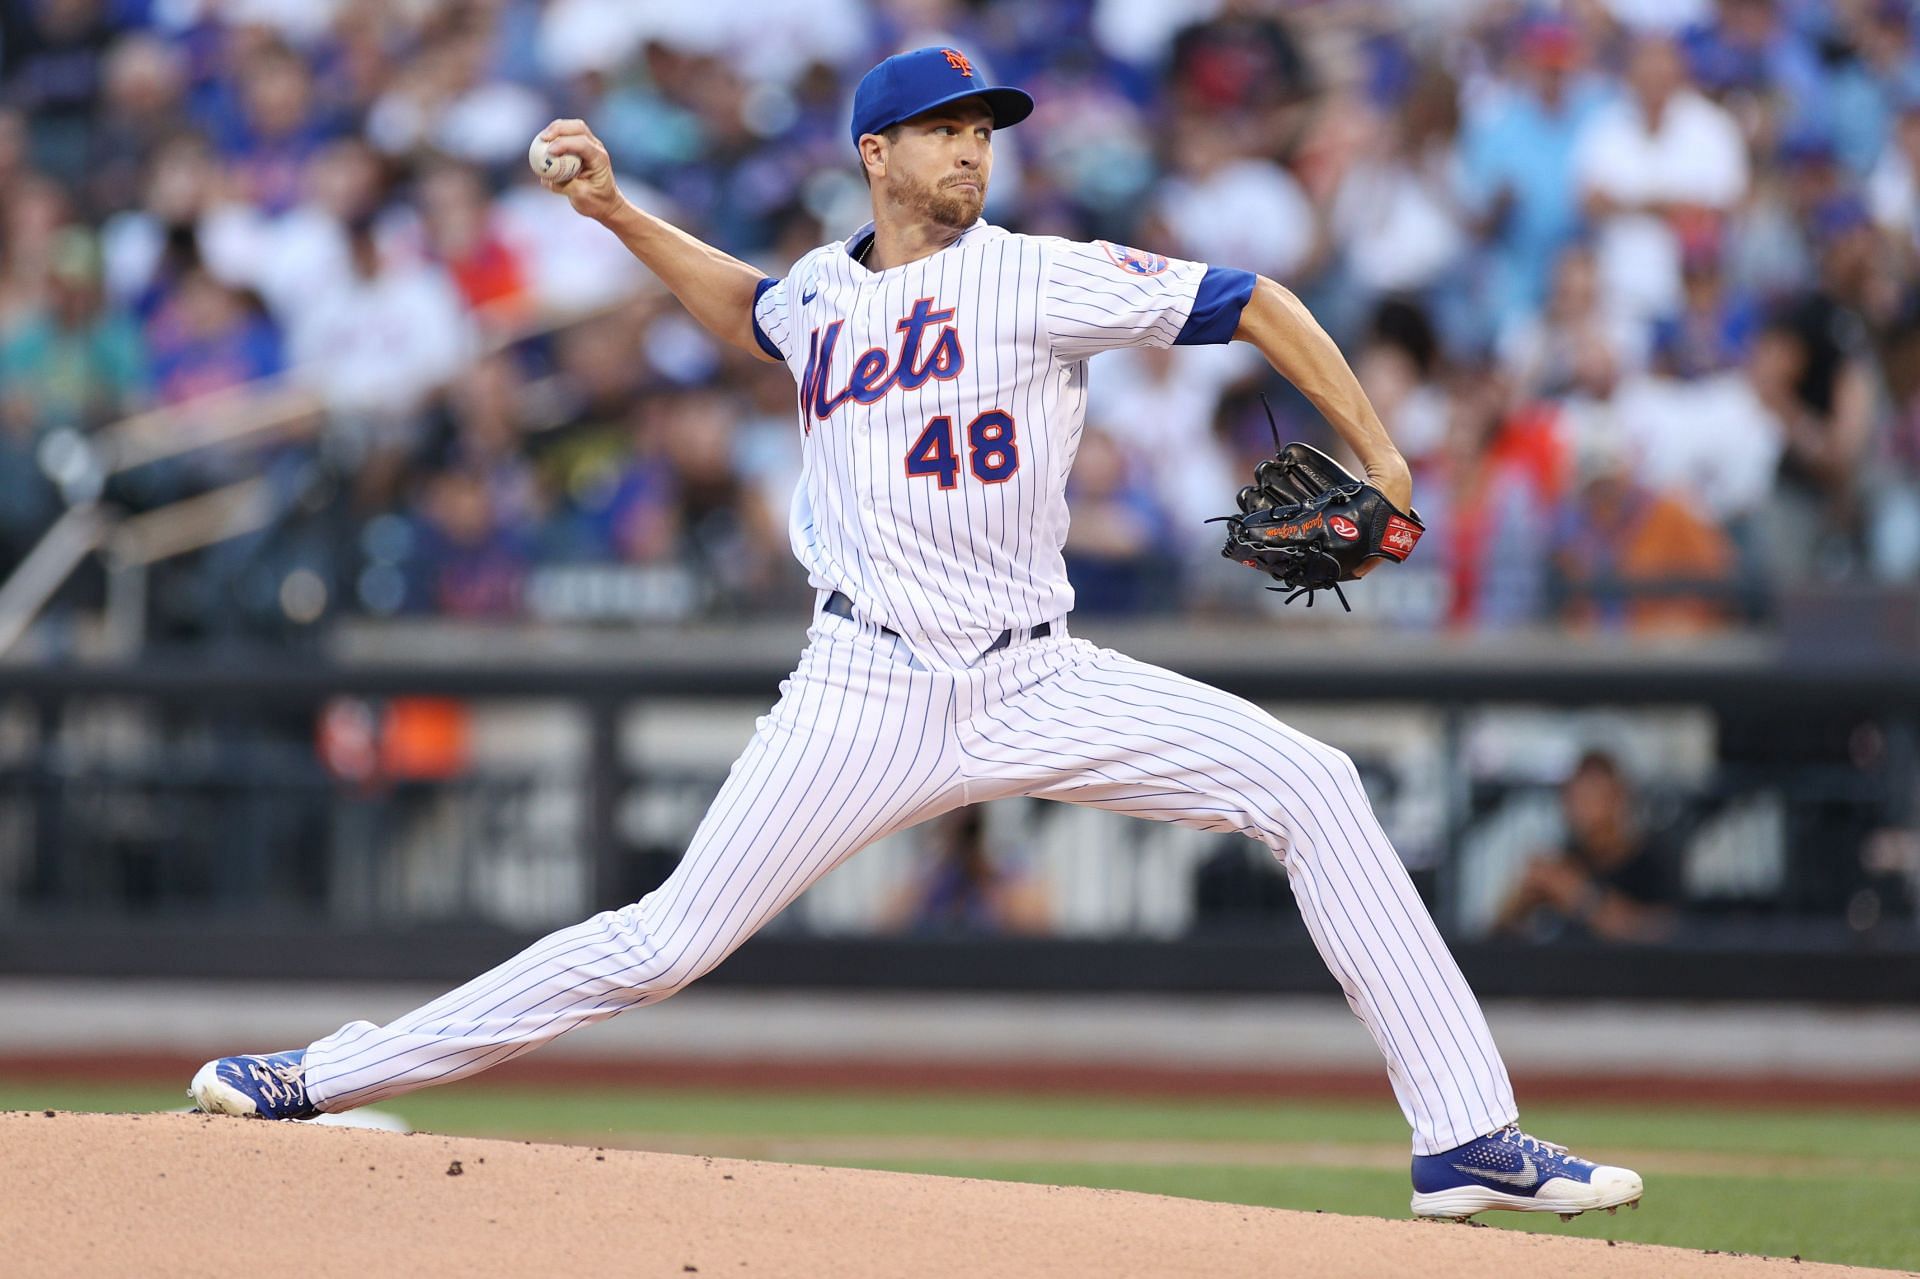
(1307, 522)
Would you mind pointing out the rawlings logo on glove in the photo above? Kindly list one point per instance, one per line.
(1401, 536)
(1309, 524)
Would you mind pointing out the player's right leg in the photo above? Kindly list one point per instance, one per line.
(858, 746)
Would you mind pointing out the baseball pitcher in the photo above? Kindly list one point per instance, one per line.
(942, 372)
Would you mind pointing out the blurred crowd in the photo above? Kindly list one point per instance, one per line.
(1633, 282)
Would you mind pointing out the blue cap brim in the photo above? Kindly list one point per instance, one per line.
(1008, 106)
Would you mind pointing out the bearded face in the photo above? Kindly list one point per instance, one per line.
(955, 201)
(938, 164)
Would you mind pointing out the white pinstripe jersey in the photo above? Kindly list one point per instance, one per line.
(941, 404)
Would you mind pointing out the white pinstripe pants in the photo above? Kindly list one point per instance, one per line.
(865, 741)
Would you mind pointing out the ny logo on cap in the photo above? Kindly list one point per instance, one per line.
(958, 61)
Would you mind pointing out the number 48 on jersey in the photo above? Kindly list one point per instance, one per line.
(992, 454)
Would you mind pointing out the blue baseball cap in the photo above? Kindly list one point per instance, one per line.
(907, 84)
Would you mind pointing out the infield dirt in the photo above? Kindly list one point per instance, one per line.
(163, 1195)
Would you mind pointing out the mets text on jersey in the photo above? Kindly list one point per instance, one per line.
(874, 373)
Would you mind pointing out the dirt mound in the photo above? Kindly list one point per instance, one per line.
(165, 1195)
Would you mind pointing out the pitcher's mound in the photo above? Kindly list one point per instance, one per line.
(161, 1195)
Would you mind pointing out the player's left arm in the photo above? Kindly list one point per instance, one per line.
(1279, 325)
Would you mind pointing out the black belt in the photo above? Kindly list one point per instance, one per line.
(840, 606)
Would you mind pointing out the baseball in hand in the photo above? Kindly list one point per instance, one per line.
(556, 169)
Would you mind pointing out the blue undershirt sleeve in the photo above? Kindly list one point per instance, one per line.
(760, 334)
(1217, 303)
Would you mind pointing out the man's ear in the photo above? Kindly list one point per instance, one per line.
(873, 153)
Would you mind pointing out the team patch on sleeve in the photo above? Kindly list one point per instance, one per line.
(1134, 261)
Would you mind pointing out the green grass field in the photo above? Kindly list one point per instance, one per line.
(1828, 1186)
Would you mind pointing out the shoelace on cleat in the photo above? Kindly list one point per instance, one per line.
(279, 1083)
(1512, 1135)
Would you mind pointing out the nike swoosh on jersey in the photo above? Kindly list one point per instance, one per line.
(809, 295)
(1526, 1178)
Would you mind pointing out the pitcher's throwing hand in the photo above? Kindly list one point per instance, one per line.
(591, 191)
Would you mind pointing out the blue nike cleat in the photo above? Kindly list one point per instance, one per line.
(1508, 1169)
(269, 1086)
